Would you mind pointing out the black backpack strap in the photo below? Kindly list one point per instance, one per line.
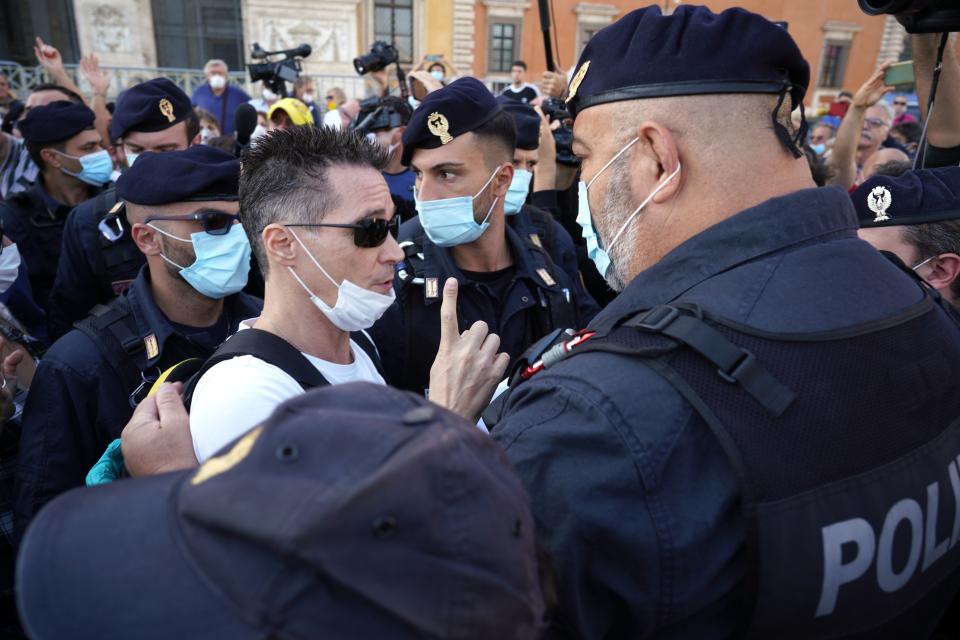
(114, 330)
(366, 343)
(266, 346)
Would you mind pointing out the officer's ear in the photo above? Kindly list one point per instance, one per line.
(146, 238)
(654, 159)
(280, 245)
(944, 269)
(397, 137)
(51, 158)
(502, 182)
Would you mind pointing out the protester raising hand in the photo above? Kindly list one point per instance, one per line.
(468, 366)
(50, 59)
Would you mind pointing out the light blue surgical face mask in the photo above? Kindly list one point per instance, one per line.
(517, 193)
(131, 158)
(449, 222)
(96, 167)
(819, 149)
(222, 263)
(595, 248)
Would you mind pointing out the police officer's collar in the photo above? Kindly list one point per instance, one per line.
(529, 263)
(769, 227)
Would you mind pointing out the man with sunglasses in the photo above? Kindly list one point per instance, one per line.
(460, 144)
(64, 144)
(321, 223)
(99, 258)
(916, 217)
(182, 208)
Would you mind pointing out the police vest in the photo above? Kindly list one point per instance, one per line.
(847, 448)
(554, 308)
(118, 256)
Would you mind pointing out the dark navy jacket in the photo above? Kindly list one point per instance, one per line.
(78, 404)
(632, 494)
(408, 335)
(83, 279)
(34, 220)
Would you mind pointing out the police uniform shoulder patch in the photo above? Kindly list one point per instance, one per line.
(535, 239)
(431, 288)
(150, 344)
(223, 463)
(166, 108)
(577, 79)
(879, 200)
(440, 127)
(546, 277)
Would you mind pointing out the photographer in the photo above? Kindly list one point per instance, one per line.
(943, 132)
(386, 119)
(218, 96)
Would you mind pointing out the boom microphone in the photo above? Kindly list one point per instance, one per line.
(244, 122)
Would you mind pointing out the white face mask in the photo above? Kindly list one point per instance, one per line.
(308, 98)
(258, 131)
(217, 82)
(356, 308)
(9, 267)
(269, 96)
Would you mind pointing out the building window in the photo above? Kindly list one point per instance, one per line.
(190, 32)
(586, 32)
(393, 23)
(833, 66)
(22, 20)
(504, 41)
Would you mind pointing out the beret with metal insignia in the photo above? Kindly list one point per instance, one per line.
(916, 197)
(153, 105)
(460, 107)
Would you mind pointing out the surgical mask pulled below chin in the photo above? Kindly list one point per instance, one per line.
(217, 82)
(449, 222)
(517, 193)
(95, 168)
(9, 267)
(222, 263)
(595, 249)
(356, 308)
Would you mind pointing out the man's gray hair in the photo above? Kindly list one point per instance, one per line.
(284, 177)
(887, 109)
(216, 62)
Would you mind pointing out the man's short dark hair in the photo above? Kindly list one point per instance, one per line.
(284, 177)
(501, 132)
(34, 149)
(519, 63)
(911, 131)
(72, 96)
(934, 239)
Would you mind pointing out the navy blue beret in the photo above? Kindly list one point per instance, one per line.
(57, 121)
(199, 173)
(526, 120)
(459, 107)
(153, 105)
(916, 197)
(692, 51)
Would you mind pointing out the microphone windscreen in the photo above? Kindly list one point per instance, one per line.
(244, 122)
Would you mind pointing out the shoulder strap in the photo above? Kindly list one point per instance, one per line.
(266, 346)
(114, 330)
(543, 224)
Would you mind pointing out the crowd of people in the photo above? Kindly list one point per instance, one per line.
(638, 350)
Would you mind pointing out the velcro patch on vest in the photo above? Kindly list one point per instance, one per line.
(853, 555)
(119, 286)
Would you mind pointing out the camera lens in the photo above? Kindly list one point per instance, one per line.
(877, 7)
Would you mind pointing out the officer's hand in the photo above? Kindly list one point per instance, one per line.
(873, 89)
(468, 367)
(157, 438)
(553, 84)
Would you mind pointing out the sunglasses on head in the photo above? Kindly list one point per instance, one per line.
(216, 223)
(367, 233)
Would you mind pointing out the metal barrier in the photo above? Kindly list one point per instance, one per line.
(23, 79)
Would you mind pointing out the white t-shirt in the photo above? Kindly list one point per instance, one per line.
(238, 394)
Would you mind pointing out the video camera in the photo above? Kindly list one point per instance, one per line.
(379, 114)
(276, 73)
(381, 55)
(556, 110)
(918, 16)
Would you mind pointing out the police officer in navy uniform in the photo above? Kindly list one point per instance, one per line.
(182, 207)
(530, 221)
(760, 434)
(460, 145)
(99, 259)
(61, 140)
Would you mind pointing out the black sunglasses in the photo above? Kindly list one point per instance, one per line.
(368, 233)
(216, 223)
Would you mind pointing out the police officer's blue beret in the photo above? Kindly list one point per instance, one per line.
(153, 105)
(526, 120)
(198, 173)
(55, 122)
(459, 107)
(916, 197)
(692, 51)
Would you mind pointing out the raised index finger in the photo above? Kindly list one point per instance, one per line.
(449, 328)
